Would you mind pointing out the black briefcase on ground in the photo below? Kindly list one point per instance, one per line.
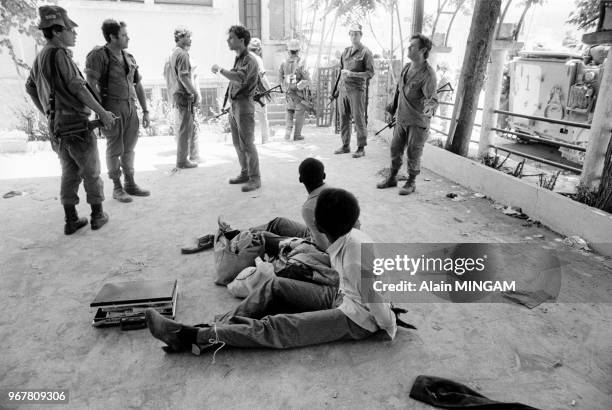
(123, 304)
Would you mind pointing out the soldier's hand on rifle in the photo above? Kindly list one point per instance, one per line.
(215, 68)
(196, 99)
(388, 117)
(145, 119)
(108, 119)
(346, 73)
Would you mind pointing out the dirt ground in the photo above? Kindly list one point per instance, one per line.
(555, 356)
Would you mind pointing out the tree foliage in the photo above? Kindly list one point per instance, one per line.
(22, 16)
(585, 15)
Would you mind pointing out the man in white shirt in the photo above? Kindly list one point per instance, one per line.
(284, 313)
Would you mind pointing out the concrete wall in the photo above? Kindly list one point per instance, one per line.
(557, 212)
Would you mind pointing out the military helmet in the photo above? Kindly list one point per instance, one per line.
(254, 44)
(293, 45)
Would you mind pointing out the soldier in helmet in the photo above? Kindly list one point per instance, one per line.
(58, 89)
(356, 68)
(295, 78)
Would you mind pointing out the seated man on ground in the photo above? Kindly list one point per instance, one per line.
(312, 175)
(284, 313)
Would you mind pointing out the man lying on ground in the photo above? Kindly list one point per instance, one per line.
(284, 313)
(312, 175)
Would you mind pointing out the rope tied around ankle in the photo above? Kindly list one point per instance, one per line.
(216, 341)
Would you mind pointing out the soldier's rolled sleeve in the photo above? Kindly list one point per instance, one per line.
(429, 90)
(94, 65)
(369, 64)
(69, 73)
(247, 72)
(183, 66)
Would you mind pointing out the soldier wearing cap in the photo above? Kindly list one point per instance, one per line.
(414, 103)
(113, 73)
(356, 69)
(185, 97)
(262, 112)
(295, 78)
(58, 90)
(242, 87)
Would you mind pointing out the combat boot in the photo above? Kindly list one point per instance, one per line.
(73, 222)
(389, 182)
(118, 192)
(409, 187)
(133, 189)
(98, 217)
(251, 185)
(240, 179)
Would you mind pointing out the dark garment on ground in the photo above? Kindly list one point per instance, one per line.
(447, 394)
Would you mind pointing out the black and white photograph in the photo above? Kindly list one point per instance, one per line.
(306, 204)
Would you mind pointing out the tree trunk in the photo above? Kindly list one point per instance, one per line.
(473, 71)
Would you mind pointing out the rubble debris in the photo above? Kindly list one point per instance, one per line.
(451, 195)
(11, 194)
(514, 212)
(458, 219)
(479, 195)
(577, 242)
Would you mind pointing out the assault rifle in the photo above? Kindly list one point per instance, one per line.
(443, 89)
(258, 96)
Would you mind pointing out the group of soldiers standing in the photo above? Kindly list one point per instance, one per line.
(113, 85)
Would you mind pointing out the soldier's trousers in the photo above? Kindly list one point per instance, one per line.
(80, 161)
(352, 104)
(187, 138)
(122, 139)
(412, 139)
(242, 124)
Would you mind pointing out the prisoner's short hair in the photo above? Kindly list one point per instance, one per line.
(48, 32)
(336, 212)
(110, 26)
(424, 42)
(241, 32)
(180, 32)
(312, 171)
